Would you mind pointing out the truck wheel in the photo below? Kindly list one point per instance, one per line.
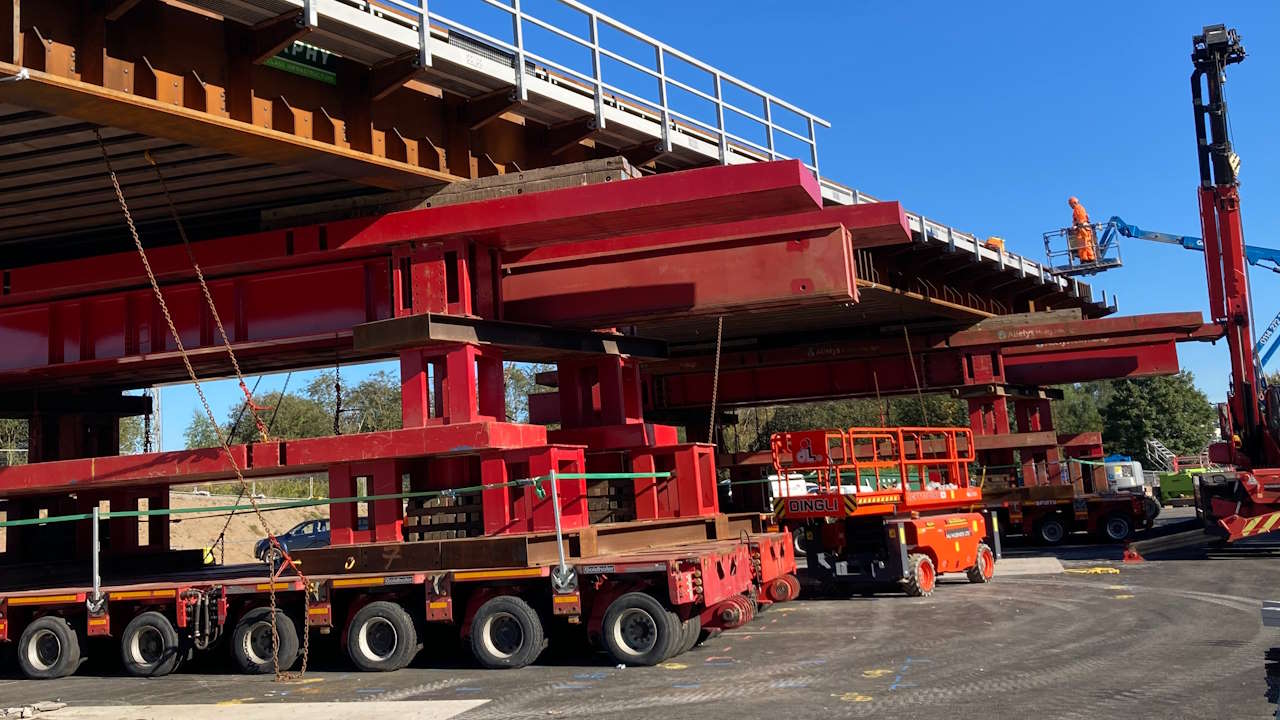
(1117, 527)
(48, 649)
(1051, 531)
(150, 646)
(691, 631)
(252, 646)
(985, 567)
(638, 630)
(921, 577)
(506, 633)
(381, 637)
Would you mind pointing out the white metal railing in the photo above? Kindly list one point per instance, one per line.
(412, 13)
(416, 16)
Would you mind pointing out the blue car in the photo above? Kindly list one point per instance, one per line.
(303, 536)
(306, 534)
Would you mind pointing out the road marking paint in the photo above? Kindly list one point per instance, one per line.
(854, 697)
(877, 672)
(1122, 597)
(673, 666)
(1093, 571)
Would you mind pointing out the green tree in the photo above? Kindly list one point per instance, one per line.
(370, 405)
(13, 442)
(285, 416)
(132, 435)
(755, 426)
(1170, 409)
(1081, 407)
(375, 402)
(521, 381)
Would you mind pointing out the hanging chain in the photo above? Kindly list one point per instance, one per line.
(208, 297)
(715, 382)
(222, 438)
(337, 397)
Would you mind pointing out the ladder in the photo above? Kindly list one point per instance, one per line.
(1160, 455)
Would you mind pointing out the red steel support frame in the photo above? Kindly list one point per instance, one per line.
(1052, 353)
(292, 297)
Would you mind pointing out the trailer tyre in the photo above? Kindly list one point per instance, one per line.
(507, 633)
(923, 577)
(984, 568)
(1117, 527)
(638, 630)
(48, 649)
(691, 632)
(149, 646)
(1051, 531)
(381, 637)
(252, 645)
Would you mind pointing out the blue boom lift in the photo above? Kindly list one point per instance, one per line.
(1067, 263)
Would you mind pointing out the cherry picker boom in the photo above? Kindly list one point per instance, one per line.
(1256, 255)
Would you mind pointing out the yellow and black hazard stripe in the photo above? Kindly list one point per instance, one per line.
(780, 507)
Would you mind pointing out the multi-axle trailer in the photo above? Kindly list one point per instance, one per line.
(644, 591)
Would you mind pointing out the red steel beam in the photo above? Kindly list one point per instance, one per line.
(1074, 351)
(872, 225)
(263, 459)
(775, 271)
(825, 379)
(290, 298)
(591, 212)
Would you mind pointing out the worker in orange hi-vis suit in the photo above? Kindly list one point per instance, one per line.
(1085, 244)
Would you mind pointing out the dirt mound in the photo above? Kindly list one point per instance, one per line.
(198, 530)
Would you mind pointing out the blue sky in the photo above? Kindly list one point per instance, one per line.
(987, 116)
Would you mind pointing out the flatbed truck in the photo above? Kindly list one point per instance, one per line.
(1049, 514)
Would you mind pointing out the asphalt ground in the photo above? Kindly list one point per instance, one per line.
(1178, 636)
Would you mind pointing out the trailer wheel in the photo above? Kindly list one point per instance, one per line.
(984, 568)
(381, 637)
(150, 646)
(638, 630)
(48, 649)
(1051, 531)
(691, 632)
(922, 576)
(507, 633)
(1117, 527)
(252, 645)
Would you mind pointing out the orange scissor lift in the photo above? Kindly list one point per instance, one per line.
(884, 507)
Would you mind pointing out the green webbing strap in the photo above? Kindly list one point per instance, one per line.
(1082, 461)
(536, 482)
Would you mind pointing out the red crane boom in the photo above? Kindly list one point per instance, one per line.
(1245, 501)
